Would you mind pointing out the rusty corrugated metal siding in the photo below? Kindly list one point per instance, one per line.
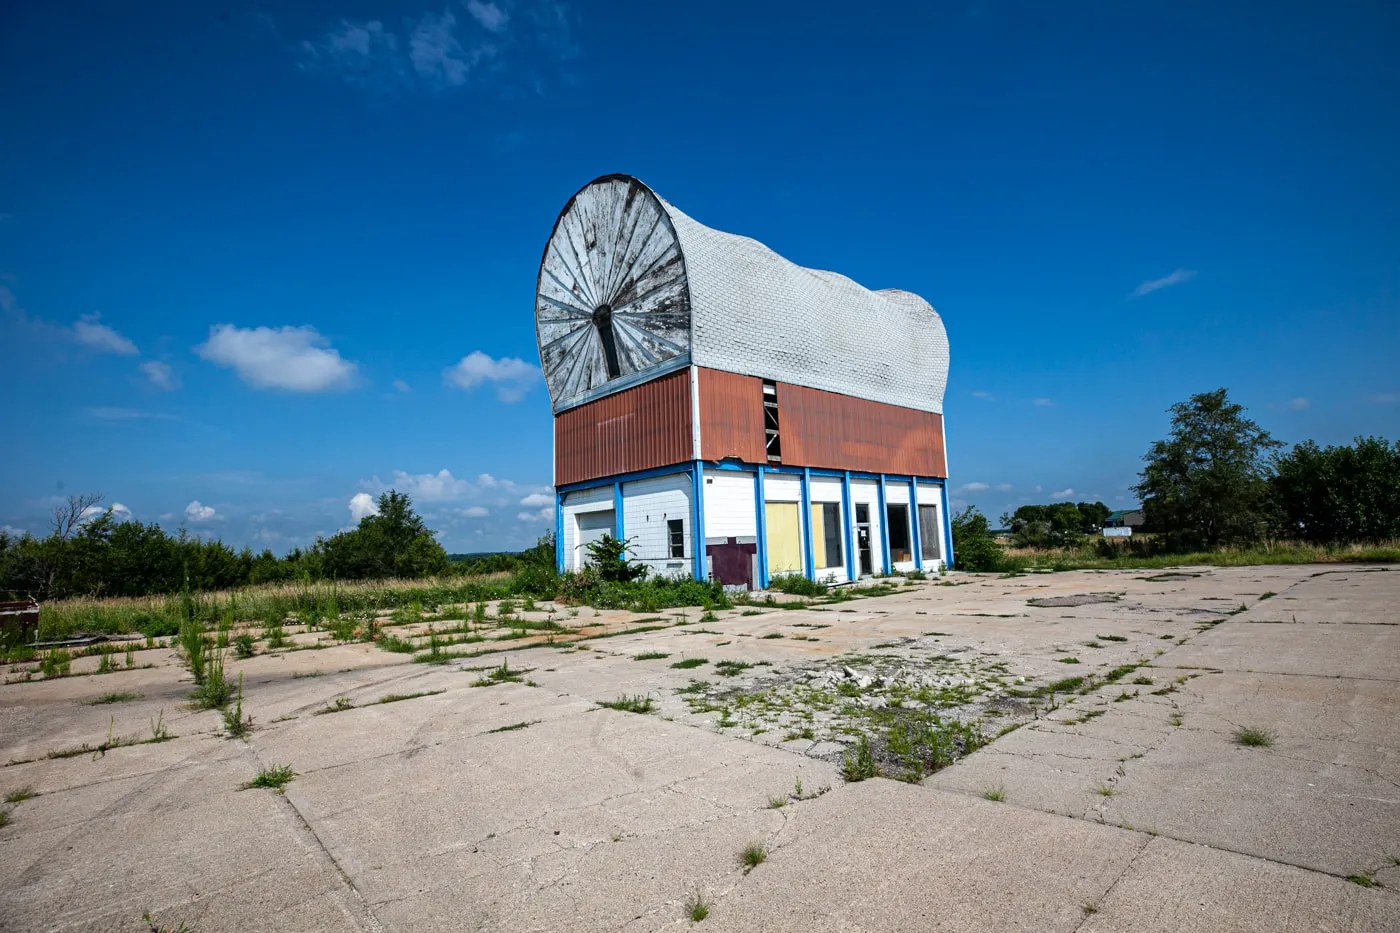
(837, 432)
(731, 416)
(639, 428)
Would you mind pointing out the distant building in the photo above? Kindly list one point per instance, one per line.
(736, 415)
(1125, 518)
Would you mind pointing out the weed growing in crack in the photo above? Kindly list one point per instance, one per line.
(1175, 719)
(514, 727)
(340, 705)
(996, 794)
(156, 928)
(159, 731)
(860, 764)
(502, 675)
(1068, 660)
(397, 697)
(777, 801)
(1143, 679)
(1111, 638)
(690, 663)
(235, 725)
(1089, 907)
(752, 856)
(1103, 790)
(731, 668)
(651, 656)
(243, 647)
(1254, 738)
(274, 778)
(630, 704)
(21, 795)
(1367, 879)
(696, 907)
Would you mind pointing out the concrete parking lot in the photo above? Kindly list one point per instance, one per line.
(488, 801)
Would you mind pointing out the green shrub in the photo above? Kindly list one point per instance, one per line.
(974, 546)
(243, 646)
(797, 585)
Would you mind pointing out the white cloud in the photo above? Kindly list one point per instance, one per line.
(475, 511)
(100, 337)
(436, 54)
(1042, 402)
(402, 386)
(198, 512)
(362, 505)
(297, 359)
(1166, 281)
(490, 16)
(1003, 487)
(512, 376)
(1297, 404)
(987, 396)
(1062, 494)
(441, 486)
(119, 512)
(974, 487)
(12, 531)
(1037, 489)
(539, 515)
(537, 500)
(160, 374)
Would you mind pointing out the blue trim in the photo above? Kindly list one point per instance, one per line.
(697, 527)
(762, 526)
(625, 477)
(848, 526)
(674, 364)
(917, 544)
(947, 529)
(619, 528)
(559, 531)
(809, 560)
(885, 529)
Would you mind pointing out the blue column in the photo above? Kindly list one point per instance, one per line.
(848, 526)
(559, 531)
(697, 527)
(809, 562)
(884, 528)
(918, 542)
(947, 529)
(762, 526)
(619, 527)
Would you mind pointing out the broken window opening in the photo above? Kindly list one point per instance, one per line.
(773, 444)
(603, 323)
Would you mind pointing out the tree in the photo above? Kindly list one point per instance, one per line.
(1045, 526)
(393, 543)
(1206, 484)
(1332, 495)
(1092, 515)
(974, 546)
(609, 556)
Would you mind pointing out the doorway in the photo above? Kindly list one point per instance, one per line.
(591, 527)
(867, 558)
(784, 538)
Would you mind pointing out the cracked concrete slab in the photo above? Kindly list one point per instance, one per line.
(526, 807)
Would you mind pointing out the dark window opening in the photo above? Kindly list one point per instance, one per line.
(675, 532)
(864, 548)
(898, 525)
(773, 444)
(603, 323)
(930, 532)
(831, 533)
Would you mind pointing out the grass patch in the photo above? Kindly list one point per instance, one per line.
(859, 765)
(340, 705)
(273, 778)
(630, 704)
(696, 907)
(690, 663)
(651, 656)
(731, 668)
(501, 675)
(1103, 790)
(1071, 659)
(1110, 638)
(514, 727)
(1066, 685)
(1267, 594)
(398, 697)
(1366, 879)
(21, 795)
(122, 697)
(1254, 738)
(996, 794)
(752, 856)
(1118, 673)
(778, 635)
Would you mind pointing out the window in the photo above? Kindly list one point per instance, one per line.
(898, 524)
(831, 531)
(603, 323)
(675, 533)
(770, 421)
(930, 531)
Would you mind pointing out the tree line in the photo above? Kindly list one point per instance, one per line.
(91, 552)
(1220, 480)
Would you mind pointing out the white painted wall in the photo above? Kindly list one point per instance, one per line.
(932, 495)
(825, 489)
(778, 487)
(828, 489)
(647, 504)
(729, 505)
(868, 491)
(599, 499)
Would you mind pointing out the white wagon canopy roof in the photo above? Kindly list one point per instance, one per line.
(630, 288)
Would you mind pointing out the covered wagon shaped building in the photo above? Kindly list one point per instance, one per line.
(735, 415)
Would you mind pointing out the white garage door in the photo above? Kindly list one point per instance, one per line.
(591, 527)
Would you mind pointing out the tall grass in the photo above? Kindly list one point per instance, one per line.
(1089, 557)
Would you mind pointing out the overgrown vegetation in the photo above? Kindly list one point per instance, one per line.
(274, 778)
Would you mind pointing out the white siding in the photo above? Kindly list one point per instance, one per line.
(647, 505)
(826, 489)
(868, 492)
(930, 495)
(599, 499)
(778, 487)
(729, 505)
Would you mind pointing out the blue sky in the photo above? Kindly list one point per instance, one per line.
(1112, 205)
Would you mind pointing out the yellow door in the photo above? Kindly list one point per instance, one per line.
(818, 537)
(784, 538)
